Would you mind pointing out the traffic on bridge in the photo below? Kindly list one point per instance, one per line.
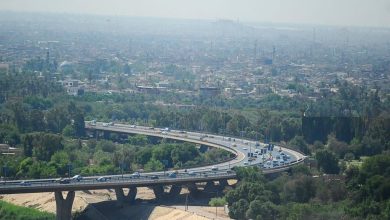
(268, 157)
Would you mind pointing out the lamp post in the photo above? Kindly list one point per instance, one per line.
(69, 169)
(242, 134)
(5, 169)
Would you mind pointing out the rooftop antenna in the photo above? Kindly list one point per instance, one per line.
(273, 52)
(255, 52)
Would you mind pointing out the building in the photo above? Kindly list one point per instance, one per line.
(73, 87)
(209, 92)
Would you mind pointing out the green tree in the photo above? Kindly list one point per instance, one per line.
(45, 145)
(238, 209)
(69, 131)
(299, 143)
(154, 165)
(262, 210)
(327, 161)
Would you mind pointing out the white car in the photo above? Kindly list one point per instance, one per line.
(191, 173)
(77, 178)
(136, 175)
(245, 148)
(103, 179)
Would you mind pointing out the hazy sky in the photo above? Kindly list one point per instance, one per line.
(333, 12)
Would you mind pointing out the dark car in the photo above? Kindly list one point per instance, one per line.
(64, 181)
(154, 177)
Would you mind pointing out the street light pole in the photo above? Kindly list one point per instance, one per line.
(69, 167)
(186, 206)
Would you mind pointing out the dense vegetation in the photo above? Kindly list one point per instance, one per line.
(336, 132)
(9, 211)
(299, 195)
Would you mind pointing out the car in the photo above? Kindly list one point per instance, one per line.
(172, 175)
(245, 163)
(191, 173)
(105, 124)
(245, 148)
(154, 177)
(77, 177)
(103, 179)
(257, 144)
(151, 128)
(25, 183)
(133, 126)
(135, 175)
(164, 132)
(214, 168)
(229, 171)
(64, 181)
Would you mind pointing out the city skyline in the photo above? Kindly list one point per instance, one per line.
(331, 12)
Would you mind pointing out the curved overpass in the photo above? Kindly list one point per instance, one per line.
(271, 161)
(239, 147)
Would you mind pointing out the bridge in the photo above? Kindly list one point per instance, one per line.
(246, 153)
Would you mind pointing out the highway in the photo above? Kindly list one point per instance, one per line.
(271, 161)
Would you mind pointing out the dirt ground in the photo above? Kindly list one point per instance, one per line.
(46, 202)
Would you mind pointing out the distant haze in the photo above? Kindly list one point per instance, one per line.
(329, 12)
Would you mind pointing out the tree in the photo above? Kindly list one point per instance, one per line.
(238, 209)
(45, 145)
(140, 140)
(143, 156)
(300, 189)
(299, 143)
(154, 165)
(69, 131)
(328, 162)
(60, 160)
(217, 202)
(338, 147)
(262, 210)
(79, 124)
(184, 153)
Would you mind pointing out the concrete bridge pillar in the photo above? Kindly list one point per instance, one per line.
(158, 191)
(106, 135)
(174, 191)
(209, 187)
(122, 198)
(223, 184)
(64, 206)
(193, 188)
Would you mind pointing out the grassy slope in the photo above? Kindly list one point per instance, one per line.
(10, 211)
